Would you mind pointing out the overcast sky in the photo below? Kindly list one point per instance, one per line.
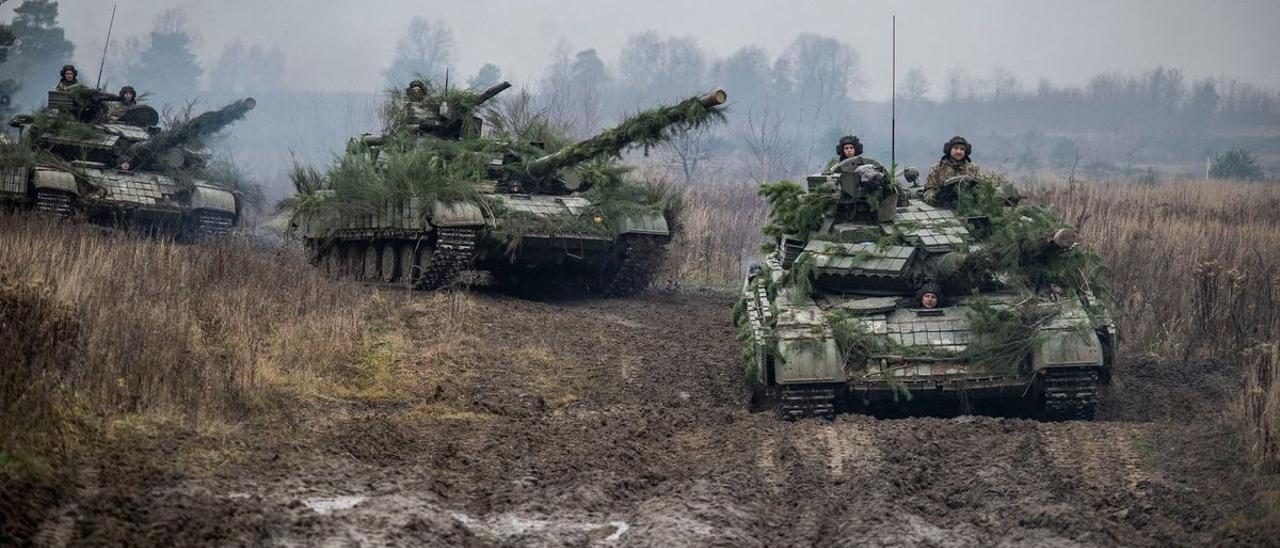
(343, 45)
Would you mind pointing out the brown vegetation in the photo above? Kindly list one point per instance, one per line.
(100, 325)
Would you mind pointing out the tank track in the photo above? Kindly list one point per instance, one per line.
(801, 402)
(454, 252)
(53, 202)
(1070, 393)
(210, 225)
(641, 258)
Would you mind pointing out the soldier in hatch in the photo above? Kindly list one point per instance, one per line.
(849, 148)
(68, 80)
(416, 92)
(956, 160)
(128, 97)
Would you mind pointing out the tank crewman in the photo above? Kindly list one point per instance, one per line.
(957, 159)
(416, 92)
(930, 297)
(68, 79)
(128, 97)
(850, 147)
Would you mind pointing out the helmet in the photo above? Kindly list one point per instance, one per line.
(418, 83)
(849, 140)
(128, 89)
(958, 140)
(71, 68)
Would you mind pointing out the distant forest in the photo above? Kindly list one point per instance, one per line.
(786, 110)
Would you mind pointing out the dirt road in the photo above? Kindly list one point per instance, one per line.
(624, 422)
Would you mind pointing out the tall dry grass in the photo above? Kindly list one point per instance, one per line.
(1259, 406)
(719, 235)
(98, 325)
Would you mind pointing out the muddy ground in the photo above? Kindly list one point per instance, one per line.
(624, 422)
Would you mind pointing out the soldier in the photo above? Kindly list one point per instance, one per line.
(850, 147)
(417, 91)
(128, 97)
(68, 80)
(929, 297)
(956, 160)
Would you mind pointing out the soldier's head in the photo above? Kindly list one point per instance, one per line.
(69, 73)
(417, 88)
(958, 149)
(128, 96)
(848, 147)
(930, 296)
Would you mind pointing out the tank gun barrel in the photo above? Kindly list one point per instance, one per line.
(492, 92)
(205, 124)
(646, 128)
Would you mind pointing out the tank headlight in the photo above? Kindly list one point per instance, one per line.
(597, 219)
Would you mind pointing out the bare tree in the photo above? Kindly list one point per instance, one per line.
(771, 151)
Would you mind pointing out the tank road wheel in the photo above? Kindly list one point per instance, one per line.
(390, 260)
(409, 266)
(1070, 393)
(54, 202)
(332, 261)
(371, 262)
(355, 260)
(797, 402)
(642, 256)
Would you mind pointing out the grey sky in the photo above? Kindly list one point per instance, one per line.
(332, 45)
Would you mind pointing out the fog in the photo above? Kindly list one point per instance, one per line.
(343, 46)
(329, 60)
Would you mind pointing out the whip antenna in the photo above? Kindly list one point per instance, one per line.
(893, 100)
(103, 63)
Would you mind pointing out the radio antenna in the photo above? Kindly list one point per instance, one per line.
(893, 101)
(103, 63)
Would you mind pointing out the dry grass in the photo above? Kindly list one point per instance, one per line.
(1260, 408)
(204, 332)
(719, 235)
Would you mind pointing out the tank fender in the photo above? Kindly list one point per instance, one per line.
(456, 214)
(213, 199)
(56, 180)
(1068, 348)
(646, 224)
(807, 351)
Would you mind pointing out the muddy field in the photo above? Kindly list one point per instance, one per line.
(624, 422)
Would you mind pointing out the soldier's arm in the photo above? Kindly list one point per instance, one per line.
(932, 185)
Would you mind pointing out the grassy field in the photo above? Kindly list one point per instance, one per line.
(100, 326)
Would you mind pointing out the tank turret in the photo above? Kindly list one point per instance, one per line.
(452, 120)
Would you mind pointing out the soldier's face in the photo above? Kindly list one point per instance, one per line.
(128, 97)
(847, 150)
(415, 89)
(929, 300)
(957, 153)
(68, 75)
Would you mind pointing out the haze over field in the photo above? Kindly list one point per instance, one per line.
(344, 46)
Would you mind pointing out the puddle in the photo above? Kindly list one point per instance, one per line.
(326, 505)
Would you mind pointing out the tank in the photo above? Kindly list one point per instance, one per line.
(836, 317)
(86, 156)
(445, 201)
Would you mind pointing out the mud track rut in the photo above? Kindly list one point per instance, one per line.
(623, 422)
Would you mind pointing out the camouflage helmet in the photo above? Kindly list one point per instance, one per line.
(958, 140)
(849, 140)
(74, 73)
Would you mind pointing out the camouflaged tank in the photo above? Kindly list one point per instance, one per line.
(87, 156)
(531, 224)
(836, 318)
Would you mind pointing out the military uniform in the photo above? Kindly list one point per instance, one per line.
(63, 84)
(858, 158)
(948, 167)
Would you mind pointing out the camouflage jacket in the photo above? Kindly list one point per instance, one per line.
(943, 170)
(64, 86)
(857, 161)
